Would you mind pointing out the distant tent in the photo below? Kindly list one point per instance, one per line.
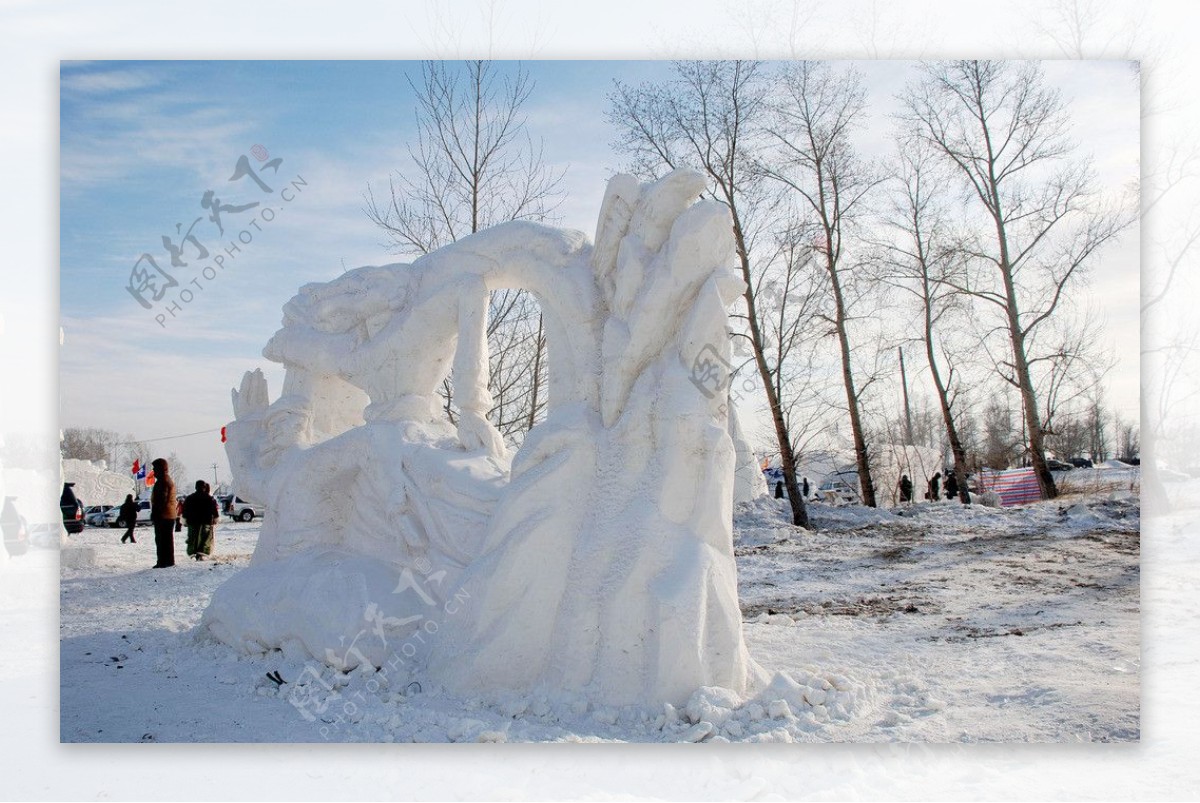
(1018, 486)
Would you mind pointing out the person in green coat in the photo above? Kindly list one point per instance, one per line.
(201, 514)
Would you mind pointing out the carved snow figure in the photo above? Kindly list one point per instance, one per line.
(599, 560)
(749, 483)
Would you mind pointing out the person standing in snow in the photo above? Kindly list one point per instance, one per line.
(906, 489)
(951, 486)
(934, 482)
(163, 512)
(779, 489)
(200, 511)
(804, 488)
(128, 514)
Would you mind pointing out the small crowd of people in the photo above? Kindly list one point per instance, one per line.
(933, 488)
(199, 510)
(932, 492)
(780, 493)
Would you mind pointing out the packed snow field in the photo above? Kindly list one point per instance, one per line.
(931, 623)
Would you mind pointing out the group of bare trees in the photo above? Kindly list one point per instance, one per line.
(1007, 136)
(118, 451)
(969, 240)
(965, 244)
(95, 444)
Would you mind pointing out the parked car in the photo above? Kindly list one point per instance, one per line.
(16, 529)
(72, 509)
(239, 509)
(94, 516)
(1058, 465)
(1080, 462)
(113, 517)
(841, 486)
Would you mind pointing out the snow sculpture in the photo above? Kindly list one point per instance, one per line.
(95, 483)
(748, 480)
(596, 559)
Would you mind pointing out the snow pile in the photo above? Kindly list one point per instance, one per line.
(598, 559)
(949, 623)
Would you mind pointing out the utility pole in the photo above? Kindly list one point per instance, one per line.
(214, 468)
(907, 410)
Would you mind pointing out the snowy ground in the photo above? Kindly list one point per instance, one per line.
(941, 624)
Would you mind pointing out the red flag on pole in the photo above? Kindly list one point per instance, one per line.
(222, 434)
(136, 465)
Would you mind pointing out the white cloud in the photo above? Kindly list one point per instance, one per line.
(204, 141)
(76, 79)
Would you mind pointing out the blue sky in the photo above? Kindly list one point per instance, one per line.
(141, 142)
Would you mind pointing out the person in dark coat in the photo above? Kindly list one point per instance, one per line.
(951, 486)
(163, 512)
(804, 488)
(906, 489)
(779, 489)
(200, 511)
(128, 514)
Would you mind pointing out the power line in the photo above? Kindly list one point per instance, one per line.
(167, 437)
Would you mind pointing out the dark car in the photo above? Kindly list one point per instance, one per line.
(1058, 465)
(72, 510)
(16, 531)
(1080, 462)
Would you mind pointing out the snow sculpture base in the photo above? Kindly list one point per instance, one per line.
(76, 557)
(599, 559)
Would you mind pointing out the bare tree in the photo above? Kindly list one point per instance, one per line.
(1099, 443)
(811, 122)
(1001, 445)
(1071, 437)
(126, 452)
(1128, 440)
(1069, 366)
(924, 260)
(517, 346)
(1006, 134)
(88, 443)
(706, 118)
(179, 473)
(474, 165)
(790, 292)
(93, 443)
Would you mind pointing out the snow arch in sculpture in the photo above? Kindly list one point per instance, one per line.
(599, 557)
